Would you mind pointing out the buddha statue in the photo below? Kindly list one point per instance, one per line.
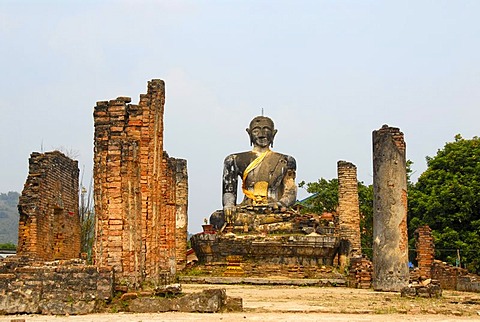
(268, 177)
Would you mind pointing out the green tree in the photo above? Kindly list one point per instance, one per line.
(446, 197)
(87, 220)
(325, 195)
(365, 200)
(325, 198)
(8, 246)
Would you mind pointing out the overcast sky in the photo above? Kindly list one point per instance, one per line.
(327, 72)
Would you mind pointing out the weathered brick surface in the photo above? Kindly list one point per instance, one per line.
(135, 190)
(446, 274)
(49, 226)
(390, 240)
(181, 213)
(425, 250)
(360, 273)
(348, 207)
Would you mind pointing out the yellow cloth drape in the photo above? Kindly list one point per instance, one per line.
(250, 167)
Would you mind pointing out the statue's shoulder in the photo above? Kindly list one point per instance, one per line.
(239, 156)
(291, 162)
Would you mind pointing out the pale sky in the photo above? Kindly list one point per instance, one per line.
(327, 72)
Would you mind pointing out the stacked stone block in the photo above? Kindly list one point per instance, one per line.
(135, 190)
(281, 250)
(447, 275)
(360, 273)
(49, 226)
(57, 287)
(348, 209)
(390, 241)
(425, 250)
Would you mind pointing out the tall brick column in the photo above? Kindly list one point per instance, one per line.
(181, 220)
(425, 250)
(134, 190)
(348, 212)
(49, 226)
(390, 241)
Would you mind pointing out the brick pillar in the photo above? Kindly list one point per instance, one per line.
(167, 233)
(425, 250)
(348, 212)
(390, 241)
(134, 190)
(49, 226)
(181, 220)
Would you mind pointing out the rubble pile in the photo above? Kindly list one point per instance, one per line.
(360, 272)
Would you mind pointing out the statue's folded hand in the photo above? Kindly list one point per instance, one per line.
(229, 211)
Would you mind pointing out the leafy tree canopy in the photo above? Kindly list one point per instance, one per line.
(325, 198)
(8, 246)
(325, 195)
(447, 198)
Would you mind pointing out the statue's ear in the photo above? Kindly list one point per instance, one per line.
(249, 135)
(273, 137)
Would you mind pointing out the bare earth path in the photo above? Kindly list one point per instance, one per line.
(294, 303)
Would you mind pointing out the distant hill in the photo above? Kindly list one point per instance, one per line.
(9, 217)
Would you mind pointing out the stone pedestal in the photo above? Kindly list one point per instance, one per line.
(287, 249)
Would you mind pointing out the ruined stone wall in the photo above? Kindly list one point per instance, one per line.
(390, 241)
(425, 250)
(57, 287)
(49, 226)
(447, 275)
(348, 208)
(134, 190)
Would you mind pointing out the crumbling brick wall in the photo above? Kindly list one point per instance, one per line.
(361, 270)
(425, 250)
(348, 207)
(49, 226)
(135, 190)
(446, 274)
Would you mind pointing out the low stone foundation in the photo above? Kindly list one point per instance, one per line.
(468, 284)
(420, 290)
(57, 287)
(207, 301)
(70, 287)
(454, 278)
(306, 250)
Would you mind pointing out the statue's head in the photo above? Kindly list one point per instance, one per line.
(262, 131)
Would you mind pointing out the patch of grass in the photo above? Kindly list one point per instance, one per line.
(386, 310)
(193, 272)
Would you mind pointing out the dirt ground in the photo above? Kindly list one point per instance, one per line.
(294, 303)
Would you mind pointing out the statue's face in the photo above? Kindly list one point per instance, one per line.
(262, 133)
